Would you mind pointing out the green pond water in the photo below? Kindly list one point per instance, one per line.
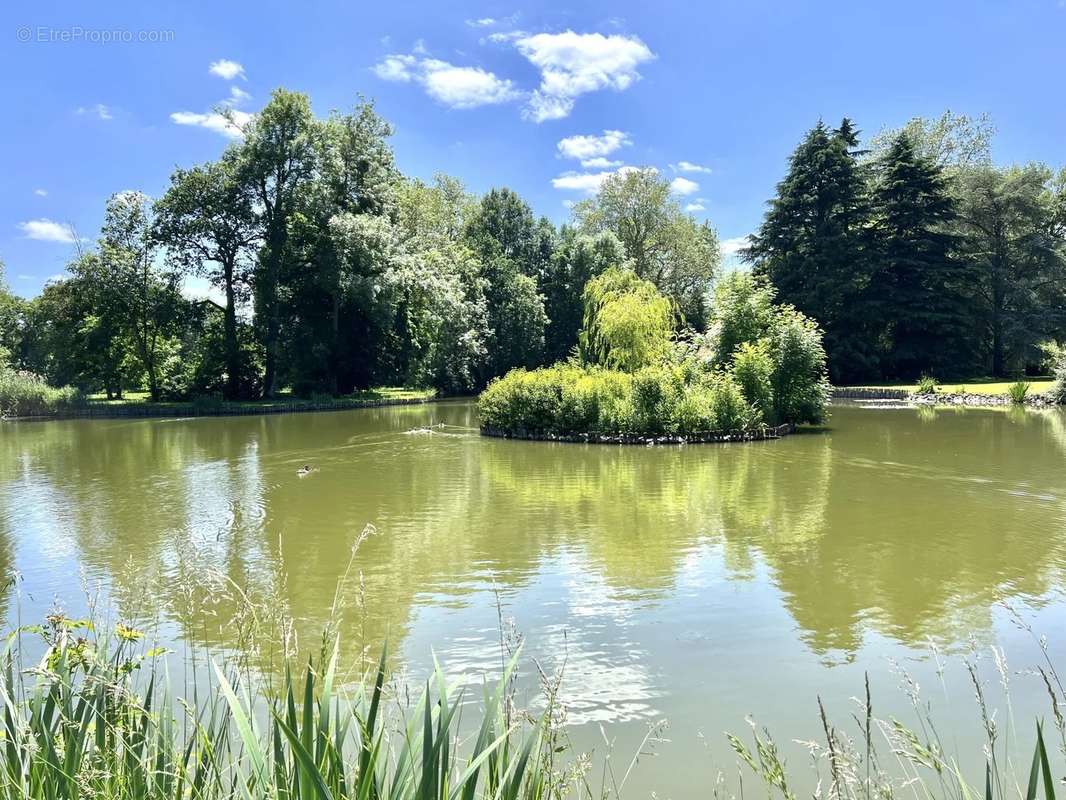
(698, 584)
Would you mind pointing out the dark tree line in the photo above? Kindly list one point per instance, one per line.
(919, 256)
(335, 272)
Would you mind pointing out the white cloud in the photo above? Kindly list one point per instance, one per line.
(581, 181)
(396, 68)
(455, 87)
(697, 206)
(599, 163)
(214, 121)
(688, 166)
(224, 68)
(45, 230)
(683, 186)
(505, 36)
(237, 95)
(590, 182)
(730, 247)
(100, 111)
(420, 47)
(484, 22)
(41, 192)
(592, 146)
(572, 64)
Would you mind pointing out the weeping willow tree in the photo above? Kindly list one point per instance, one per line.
(628, 324)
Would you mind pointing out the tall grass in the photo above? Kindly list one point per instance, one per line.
(97, 718)
(1019, 391)
(876, 758)
(24, 394)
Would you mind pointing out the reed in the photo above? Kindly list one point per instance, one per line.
(96, 717)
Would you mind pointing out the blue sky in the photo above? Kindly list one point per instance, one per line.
(487, 90)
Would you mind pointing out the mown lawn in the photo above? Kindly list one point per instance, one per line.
(972, 386)
(379, 393)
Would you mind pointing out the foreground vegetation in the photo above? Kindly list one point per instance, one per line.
(97, 717)
(760, 364)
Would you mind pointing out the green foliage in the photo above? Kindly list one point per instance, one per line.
(24, 394)
(662, 243)
(1018, 391)
(814, 246)
(922, 256)
(628, 324)
(743, 312)
(99, 719)
(927, 384)
(754, 370)
(567, 399)
(917, 287)
(800, 387)
(578, 259)
(1057, 393)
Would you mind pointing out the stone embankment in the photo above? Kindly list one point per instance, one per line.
(705, 437)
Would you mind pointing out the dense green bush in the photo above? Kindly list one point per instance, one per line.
(25, 394)
(754, 370)
(655, 400)
(760, 364)
(927, 384)
(800, 385)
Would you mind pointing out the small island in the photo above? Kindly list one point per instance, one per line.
(639, 375)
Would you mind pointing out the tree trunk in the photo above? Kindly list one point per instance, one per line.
(233, 353)
(270, 301)
(999, 366)
(335, 355)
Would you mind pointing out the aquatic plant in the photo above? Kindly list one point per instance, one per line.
(1018, 391)
(927, 384)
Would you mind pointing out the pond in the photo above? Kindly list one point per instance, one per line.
(696, 584)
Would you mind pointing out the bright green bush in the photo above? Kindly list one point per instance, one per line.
(654, 400)
(25, 394)
(628, 324)
(927, 384)
(1018, 391)
(753, 370)
(761, 364)
(800, 381)
(743, 313)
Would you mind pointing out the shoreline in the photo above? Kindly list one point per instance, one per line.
(949, 399)
(180, 410)
(705, 437)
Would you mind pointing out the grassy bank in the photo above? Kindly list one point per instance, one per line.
(138, 404)
(989, 386)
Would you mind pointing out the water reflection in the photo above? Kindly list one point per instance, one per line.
(906, 523)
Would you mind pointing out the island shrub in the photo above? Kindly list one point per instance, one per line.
(1057, 356)
(26, 394)
(759, 364)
